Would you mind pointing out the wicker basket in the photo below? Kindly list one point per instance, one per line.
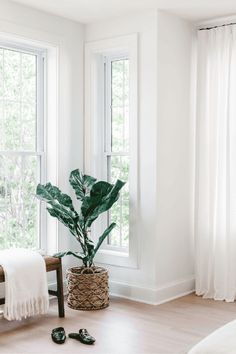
(87, 288)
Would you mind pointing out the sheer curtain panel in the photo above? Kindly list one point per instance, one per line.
(215, 228)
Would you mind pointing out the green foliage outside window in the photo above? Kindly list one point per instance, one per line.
(18, 170)
(118, 161)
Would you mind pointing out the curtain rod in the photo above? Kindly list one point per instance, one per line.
(209, 28)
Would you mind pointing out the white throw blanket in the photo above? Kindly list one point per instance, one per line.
(26, 290)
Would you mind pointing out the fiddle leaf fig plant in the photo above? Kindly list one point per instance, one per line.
(95, 197)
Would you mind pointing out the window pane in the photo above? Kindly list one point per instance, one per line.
(28, 78)
(120, 129)
(1, 72)
(119, 169)
(12, 75)
(18, 206)
(19, 169)
(11, 126)
(120, 105)
(18, 82)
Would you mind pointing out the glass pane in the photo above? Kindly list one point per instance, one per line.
(28, 67)
(120, 129)
(18, 205)
(18, 92)
(11, 126)
(12, 75)
(1, 72)
(120, 105)
(126, 82)
(119, 167)
(28, 126)
(117, 82)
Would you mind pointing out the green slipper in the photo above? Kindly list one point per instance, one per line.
(58, 335)
(83, 336)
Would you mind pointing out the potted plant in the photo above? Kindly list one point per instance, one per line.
(87, 284)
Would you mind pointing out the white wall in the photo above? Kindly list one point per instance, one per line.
(67, 37)
(175, 153)
(165, 157)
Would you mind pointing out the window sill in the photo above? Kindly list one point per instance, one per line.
(116, 258)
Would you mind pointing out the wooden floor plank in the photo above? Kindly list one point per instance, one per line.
(126, 327)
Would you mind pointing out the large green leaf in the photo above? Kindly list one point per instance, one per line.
(52, 195)
(81, 184)
(104, 235)
(60, 204)
(102, 196)
(68, 222)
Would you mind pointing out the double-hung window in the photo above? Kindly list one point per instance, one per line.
(22, 153)
(116, 144)
(111, 139)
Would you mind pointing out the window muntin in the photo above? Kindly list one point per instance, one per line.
(21, 146)
(117, 145)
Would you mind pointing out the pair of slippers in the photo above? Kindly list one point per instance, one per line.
(59, 336)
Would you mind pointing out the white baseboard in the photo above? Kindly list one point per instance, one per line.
(153, 296)
(150, 296)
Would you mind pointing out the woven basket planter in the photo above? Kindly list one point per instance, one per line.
(87, 288)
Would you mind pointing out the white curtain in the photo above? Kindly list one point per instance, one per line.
(215, 227)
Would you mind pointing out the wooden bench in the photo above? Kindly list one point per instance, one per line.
(52, 264)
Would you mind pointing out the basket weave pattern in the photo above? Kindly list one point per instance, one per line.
(87, 288)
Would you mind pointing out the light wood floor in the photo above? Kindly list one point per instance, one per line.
(125, 327)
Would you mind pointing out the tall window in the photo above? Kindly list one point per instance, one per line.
(116, 144)
(21, 146)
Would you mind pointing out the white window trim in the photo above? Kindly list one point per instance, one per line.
(94, 109)
(49, 92)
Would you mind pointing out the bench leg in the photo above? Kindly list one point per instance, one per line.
(60, 295)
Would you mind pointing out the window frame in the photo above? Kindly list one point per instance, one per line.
(40, 143)
(94, 135)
